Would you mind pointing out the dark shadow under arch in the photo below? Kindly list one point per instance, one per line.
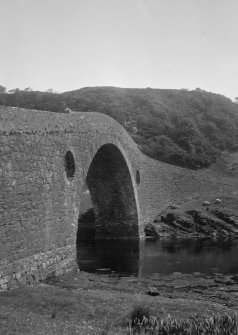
(112, 193)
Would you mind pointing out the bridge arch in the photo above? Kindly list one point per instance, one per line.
(110, 182)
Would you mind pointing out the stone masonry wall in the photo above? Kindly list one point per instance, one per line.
(40, 203)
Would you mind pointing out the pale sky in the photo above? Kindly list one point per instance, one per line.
(69, 44)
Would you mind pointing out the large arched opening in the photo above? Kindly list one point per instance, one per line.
(110, 187)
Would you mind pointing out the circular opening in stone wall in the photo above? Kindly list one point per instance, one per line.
(69, 165)
(137, 177)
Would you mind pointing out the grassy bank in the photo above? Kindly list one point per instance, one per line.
(83, 303)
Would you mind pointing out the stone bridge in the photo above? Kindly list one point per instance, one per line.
(46, 161)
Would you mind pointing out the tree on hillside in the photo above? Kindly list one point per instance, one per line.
(14, 90)
(2, 89)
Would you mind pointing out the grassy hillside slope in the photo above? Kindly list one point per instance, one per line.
(186, 128)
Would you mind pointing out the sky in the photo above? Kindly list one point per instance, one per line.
(70, 44)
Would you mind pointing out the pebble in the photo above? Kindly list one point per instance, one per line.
(206, 203)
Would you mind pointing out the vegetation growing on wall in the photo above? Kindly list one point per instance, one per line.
(181, 127)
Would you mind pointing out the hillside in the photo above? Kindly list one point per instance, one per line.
(181, 127)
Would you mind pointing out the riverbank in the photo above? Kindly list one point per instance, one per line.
(99, 304)
(84, 303)
(210, 216)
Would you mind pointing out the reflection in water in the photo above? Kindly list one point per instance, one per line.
(188, 256)
(119, 256)
(144, 258)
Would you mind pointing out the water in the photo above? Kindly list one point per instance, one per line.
(144, 258)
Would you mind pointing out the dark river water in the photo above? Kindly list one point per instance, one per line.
(144, 258)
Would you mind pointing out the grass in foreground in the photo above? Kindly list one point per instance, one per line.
(141, 322)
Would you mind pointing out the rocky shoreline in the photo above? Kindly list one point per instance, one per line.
(216, 218)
